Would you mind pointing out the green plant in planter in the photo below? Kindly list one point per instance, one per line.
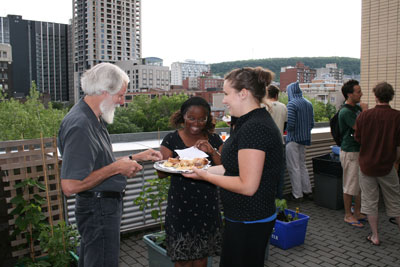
(30, 218)
(281, 206)
(57, 242)
(153, 195)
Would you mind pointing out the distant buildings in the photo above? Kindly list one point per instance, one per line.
(104, 31)
(203, 82)
(300, 73)
(330, 73)
(39, 53)
(190, 68)
(324, 91)
(5, 69)
(146, 74)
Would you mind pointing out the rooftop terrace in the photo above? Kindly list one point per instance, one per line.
(329, 242)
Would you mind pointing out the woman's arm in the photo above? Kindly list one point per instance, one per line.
(219, 169)
(251, 165)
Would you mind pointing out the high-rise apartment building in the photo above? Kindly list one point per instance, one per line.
(380, 47)
(104, 31)
(190, 68)
(39, 54)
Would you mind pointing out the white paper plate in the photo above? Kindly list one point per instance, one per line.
(159, 165)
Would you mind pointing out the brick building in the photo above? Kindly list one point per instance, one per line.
(300, 73)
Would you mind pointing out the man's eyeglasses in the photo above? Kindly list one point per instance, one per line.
(192, 120)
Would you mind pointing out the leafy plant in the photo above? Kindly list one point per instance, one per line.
(153, 196)
(30, 218)
(221, 124)
(57, 242)
(281, 207)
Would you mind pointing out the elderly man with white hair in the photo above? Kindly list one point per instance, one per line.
(89, 168)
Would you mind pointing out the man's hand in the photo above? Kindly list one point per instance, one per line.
(149, 154)
(128, 167)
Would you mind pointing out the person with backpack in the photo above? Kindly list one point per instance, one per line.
(349, 151)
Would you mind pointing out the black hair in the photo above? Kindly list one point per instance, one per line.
(273, 91)
(348, 88)
(177, 119)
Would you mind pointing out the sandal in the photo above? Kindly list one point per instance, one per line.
(355, 224)
(372, 242)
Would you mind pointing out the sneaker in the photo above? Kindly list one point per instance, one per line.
(294, 199)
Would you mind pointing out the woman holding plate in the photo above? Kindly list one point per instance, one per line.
(193, 219)
(251, 165)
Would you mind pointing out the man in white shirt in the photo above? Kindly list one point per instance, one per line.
(278, 113)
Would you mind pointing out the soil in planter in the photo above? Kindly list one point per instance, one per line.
(282, 217)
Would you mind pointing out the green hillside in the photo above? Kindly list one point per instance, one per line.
(349, 65)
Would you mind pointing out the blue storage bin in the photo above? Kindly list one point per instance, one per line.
(290, 234)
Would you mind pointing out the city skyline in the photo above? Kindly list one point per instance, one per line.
(224, 30)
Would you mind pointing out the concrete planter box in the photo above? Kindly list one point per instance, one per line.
(158, 256)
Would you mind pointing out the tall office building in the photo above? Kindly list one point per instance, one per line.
(39, 54)
(380, 47)
(104, 31)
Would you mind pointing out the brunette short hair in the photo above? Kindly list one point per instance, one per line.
(384, 92)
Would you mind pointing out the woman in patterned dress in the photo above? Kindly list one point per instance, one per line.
(193, 219)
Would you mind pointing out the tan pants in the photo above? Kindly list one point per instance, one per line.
(390, 187)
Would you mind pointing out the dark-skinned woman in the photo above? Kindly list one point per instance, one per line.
(193, 220)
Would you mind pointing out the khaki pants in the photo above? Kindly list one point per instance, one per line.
(390, 187)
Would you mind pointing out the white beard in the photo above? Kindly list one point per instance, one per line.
(107, 108)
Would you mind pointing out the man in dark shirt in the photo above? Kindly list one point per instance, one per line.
(378, 132)
(89, 168)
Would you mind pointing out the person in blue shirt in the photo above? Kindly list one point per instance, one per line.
(299, 124)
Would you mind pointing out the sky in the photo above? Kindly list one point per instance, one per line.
(214, 31)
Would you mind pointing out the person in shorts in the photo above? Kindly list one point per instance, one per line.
(378, 132)
(349, 151)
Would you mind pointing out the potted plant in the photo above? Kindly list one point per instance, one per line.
(55, 241)
(290, 226)
(153, 196)
(59, 242)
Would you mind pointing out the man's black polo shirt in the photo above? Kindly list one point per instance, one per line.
(85, 146)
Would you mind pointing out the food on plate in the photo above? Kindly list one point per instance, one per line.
(186, 164)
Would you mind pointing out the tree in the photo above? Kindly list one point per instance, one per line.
(27, 120)
(146, 115)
